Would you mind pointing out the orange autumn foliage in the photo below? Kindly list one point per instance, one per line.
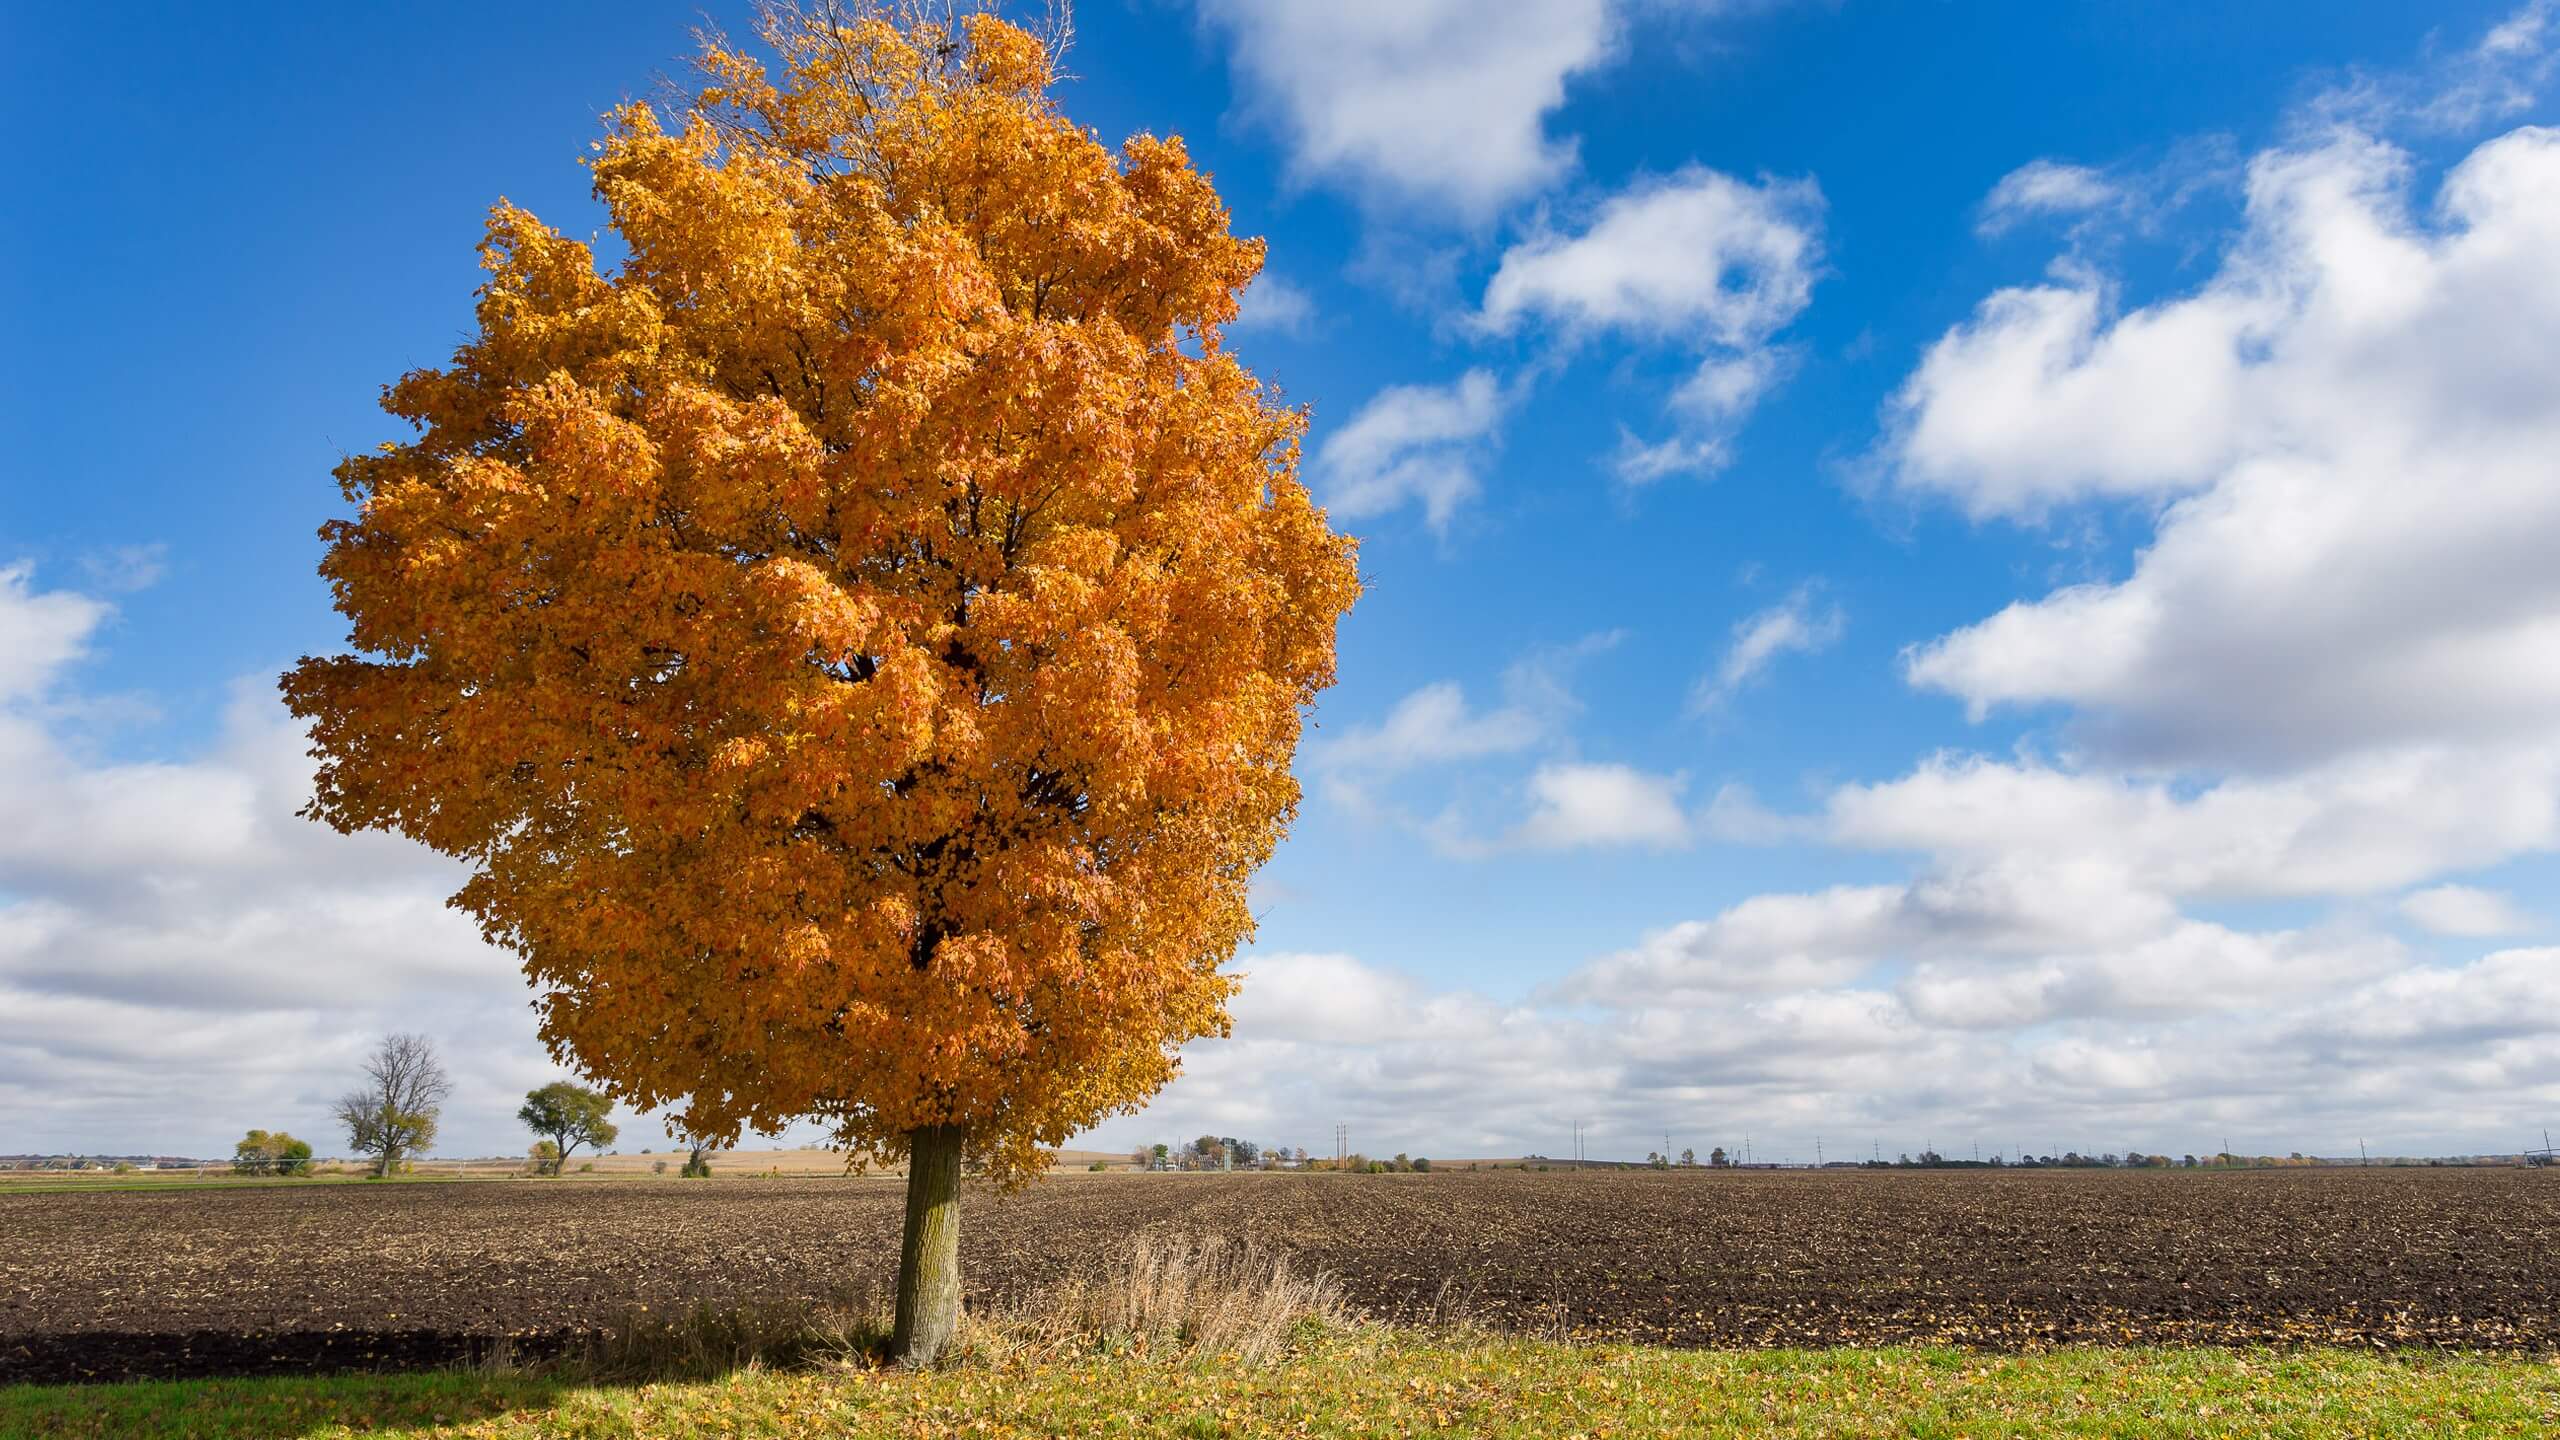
(859, 641)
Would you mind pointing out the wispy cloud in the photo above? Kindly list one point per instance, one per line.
(2045, 187)
(1805, 623)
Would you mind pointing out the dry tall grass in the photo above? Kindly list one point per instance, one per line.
(1176, 1299)
(1170, 1299)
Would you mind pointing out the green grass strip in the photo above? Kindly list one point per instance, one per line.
(1392, 1385)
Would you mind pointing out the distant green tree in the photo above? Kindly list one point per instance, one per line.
(1688, 1159)
(1717, 1157)
(1422, 1164)
(697, 1164)
(262, 1153)
(568, 1116)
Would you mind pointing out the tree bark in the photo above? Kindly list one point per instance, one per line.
(929, 1257)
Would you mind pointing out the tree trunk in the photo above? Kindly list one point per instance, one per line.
(929, 1258)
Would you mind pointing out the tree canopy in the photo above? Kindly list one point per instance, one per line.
(859, 640)
(567, 1116)
(278, 1153)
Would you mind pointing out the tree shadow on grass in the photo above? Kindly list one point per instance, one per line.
(275, 1406)
(218, 1385)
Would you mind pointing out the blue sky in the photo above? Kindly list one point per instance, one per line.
(1957, 572)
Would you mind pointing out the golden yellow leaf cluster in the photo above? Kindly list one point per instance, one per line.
(859, 642)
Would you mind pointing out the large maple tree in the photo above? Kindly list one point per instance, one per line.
(859, 639)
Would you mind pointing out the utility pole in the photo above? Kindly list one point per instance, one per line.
(1817, 1152)
(2361, 1157)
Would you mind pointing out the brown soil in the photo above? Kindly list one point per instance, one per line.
(108, 1284)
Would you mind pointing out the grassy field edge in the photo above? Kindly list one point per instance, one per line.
(1388, 1383)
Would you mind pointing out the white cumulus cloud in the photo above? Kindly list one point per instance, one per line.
(1573, 805)
(182, 956)
(2465, 910)
(1697, 260)
(1413, 444)
(2351, 426)
(40, 631)
(1697, 257)
(1444, 102)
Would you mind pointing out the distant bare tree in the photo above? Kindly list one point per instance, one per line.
(393, 1114)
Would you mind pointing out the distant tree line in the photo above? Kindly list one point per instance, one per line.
(2074, 1160)
(1227, 1152)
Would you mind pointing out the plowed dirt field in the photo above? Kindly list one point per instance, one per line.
(110, 1284)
